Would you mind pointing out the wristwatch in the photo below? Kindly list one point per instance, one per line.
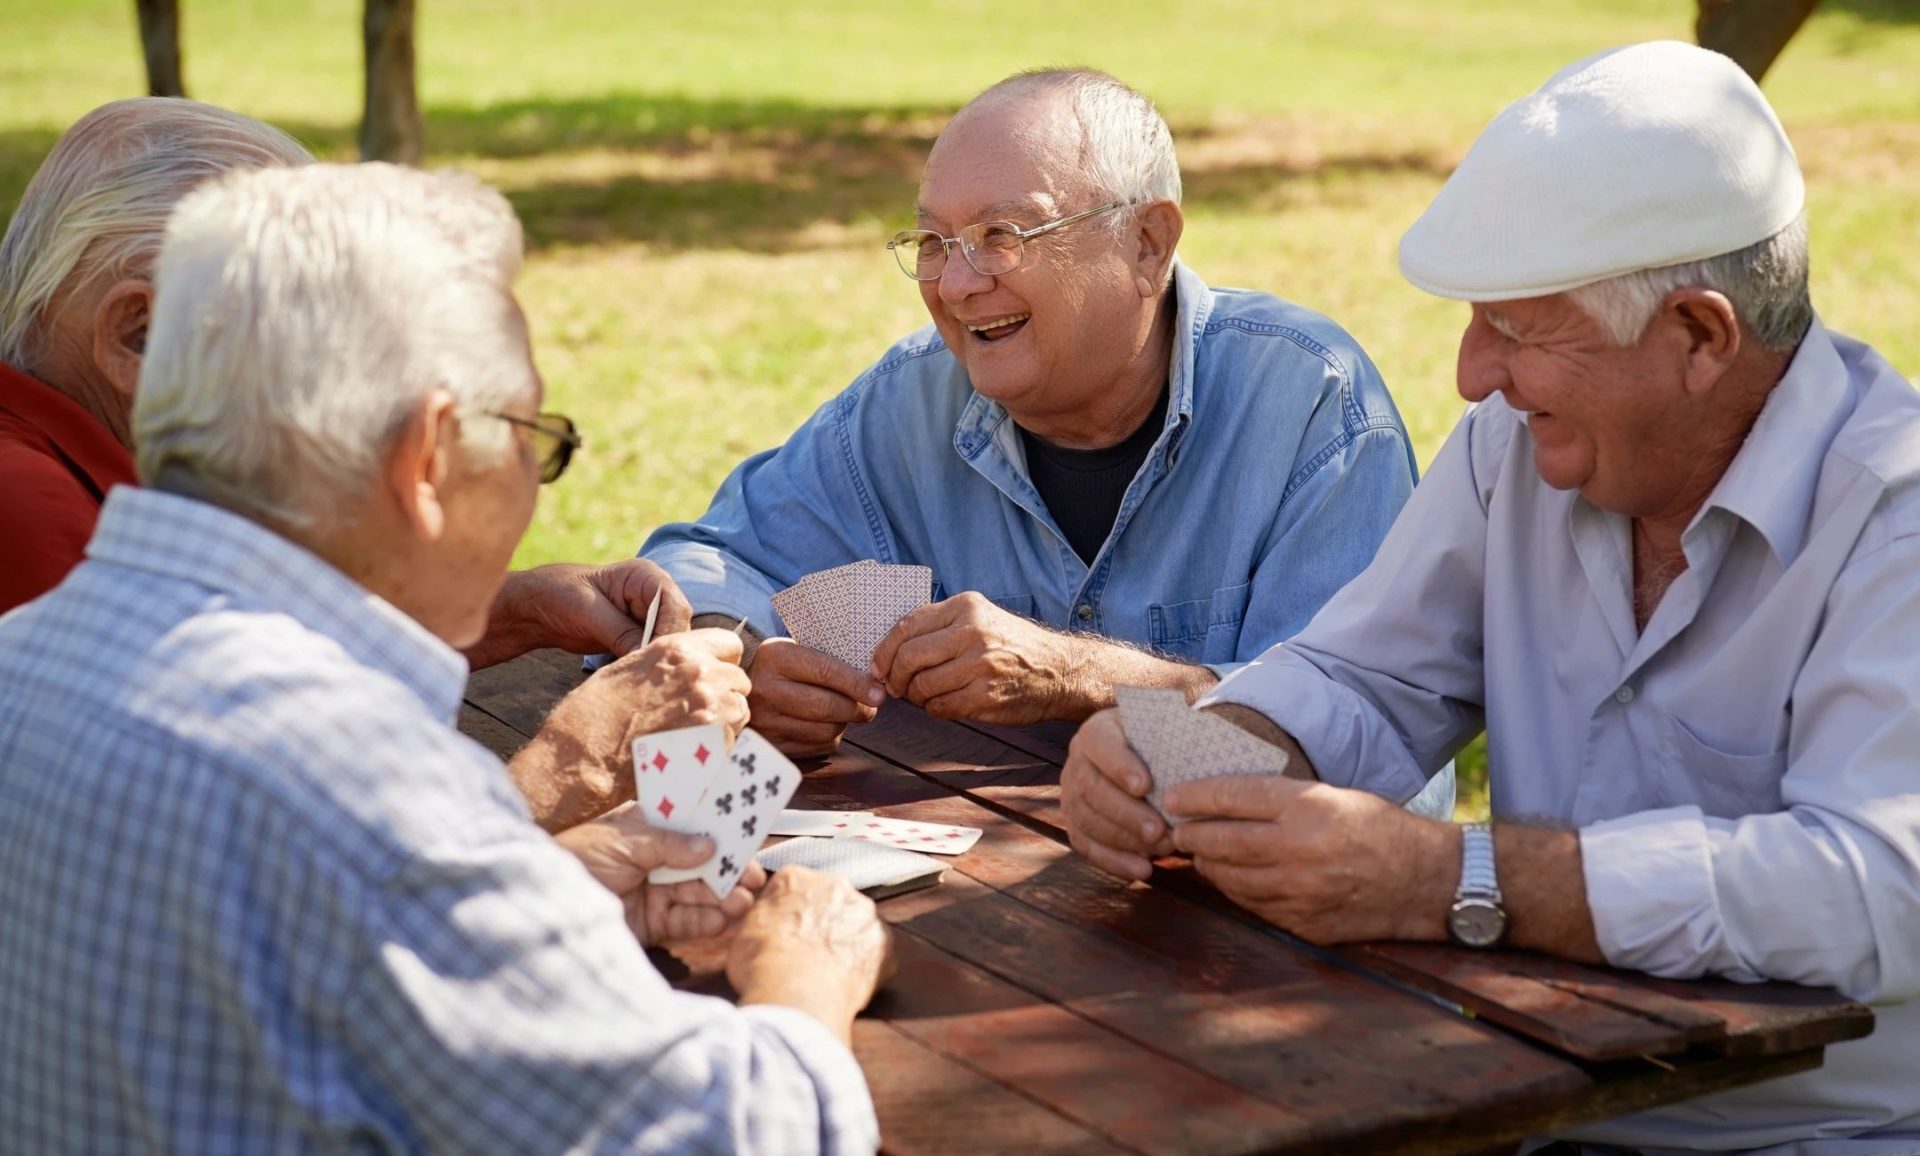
(1476, 918)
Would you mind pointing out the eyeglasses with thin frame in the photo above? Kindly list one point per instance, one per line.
(554, 440)
(991, 248)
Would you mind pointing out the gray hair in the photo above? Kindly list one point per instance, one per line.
(1766, 282)
(1126, 149)
(97, 205)
(301, 315)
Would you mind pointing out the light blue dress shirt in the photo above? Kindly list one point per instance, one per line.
(1279, 469)
(1744, 773)
(257, 895)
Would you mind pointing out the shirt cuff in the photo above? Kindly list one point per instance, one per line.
(717, 583)
(847, 1119)
(1346, 740)
(1650, 891)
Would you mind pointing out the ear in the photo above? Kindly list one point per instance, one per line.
(417, 463)
(1156, 235)
(120, 333)
(1706, 332)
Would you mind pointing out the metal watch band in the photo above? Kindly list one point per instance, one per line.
(1477, 876)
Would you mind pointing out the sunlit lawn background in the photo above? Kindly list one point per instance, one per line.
(706, 186)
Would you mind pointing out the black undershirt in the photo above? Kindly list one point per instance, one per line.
(1082, 489)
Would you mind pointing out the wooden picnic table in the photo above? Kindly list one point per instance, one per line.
(1044, 1006)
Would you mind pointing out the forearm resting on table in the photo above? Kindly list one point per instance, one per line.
(1102, 664)
(804, 989)
(511, 629)
(1542, 884)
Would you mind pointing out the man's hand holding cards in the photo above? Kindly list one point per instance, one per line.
(688, 781)
(1180, 744)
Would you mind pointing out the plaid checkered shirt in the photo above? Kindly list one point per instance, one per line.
(258, 895)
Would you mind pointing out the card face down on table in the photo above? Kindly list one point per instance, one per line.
(688, 781)
(846, 611)
(1180, 744)
(877, 869)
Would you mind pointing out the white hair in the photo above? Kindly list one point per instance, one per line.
(301, 315)
(1126, 149)
(97, 205)
(1766, 283)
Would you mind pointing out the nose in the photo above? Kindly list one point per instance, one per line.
(1481, 370)
(959, 280)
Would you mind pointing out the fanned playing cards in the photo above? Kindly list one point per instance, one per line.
(1180, 744)
(846, 611)
(688, 781)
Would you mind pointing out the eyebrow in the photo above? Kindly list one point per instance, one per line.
(999, 210)
(1501, 324)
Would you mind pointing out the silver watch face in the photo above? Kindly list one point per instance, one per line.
(1477, 922)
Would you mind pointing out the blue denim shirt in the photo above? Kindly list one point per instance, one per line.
(1281, 464)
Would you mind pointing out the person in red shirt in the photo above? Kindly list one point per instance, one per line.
(75, 295)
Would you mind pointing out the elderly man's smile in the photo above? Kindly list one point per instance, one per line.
(998, 328)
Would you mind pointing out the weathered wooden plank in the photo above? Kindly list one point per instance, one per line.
(965, 759)
(1135, 1096)
(932, 1105)
(1504, 989)
(490, 732)
(521, 692)
(1770, 1018)
(1047, 741)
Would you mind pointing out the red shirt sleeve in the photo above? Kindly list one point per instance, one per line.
(46, 517)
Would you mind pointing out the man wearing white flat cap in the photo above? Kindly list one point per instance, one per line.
(1668, 562)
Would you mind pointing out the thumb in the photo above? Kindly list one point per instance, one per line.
(649, 847)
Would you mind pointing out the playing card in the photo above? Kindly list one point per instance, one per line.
(937, 838)
(751, 785)
(874, 868)
(1180, 744)
(846, 611)
(828, 823)
(653, 612)
(671, 770)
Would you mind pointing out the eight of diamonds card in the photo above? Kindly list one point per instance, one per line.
(750, 785)
(671, 770)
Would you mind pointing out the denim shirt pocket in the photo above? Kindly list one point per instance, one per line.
(1200, 629)
(1021, 604)
(1721, 784)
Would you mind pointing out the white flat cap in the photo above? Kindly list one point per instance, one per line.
(1639, 157)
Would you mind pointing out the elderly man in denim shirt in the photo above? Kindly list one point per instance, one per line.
(1116, 473)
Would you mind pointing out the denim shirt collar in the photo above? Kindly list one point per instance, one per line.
(1771, 482)
(194, 541)
(983, 421)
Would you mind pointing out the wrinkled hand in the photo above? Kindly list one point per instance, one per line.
(814, 942)
(1103, 789)
(1329, 864)
(967, 658)
(595, 609)
(619, 849)
(692, 678)
(582, 609)
(581, 761)
(803, 700)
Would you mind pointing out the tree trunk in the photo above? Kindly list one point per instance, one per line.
(390, 130)
(1752, 32)
(160, 44)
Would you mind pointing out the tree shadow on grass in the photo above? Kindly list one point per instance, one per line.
(762, 176)
(1881, 11)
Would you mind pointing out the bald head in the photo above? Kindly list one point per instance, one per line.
(94, 212)
(1086, 132)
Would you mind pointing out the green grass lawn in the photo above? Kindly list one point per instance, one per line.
(705, 189)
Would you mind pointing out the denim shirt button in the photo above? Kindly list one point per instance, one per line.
(1084, 612)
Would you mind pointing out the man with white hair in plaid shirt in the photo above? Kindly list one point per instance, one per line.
(259, 895)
